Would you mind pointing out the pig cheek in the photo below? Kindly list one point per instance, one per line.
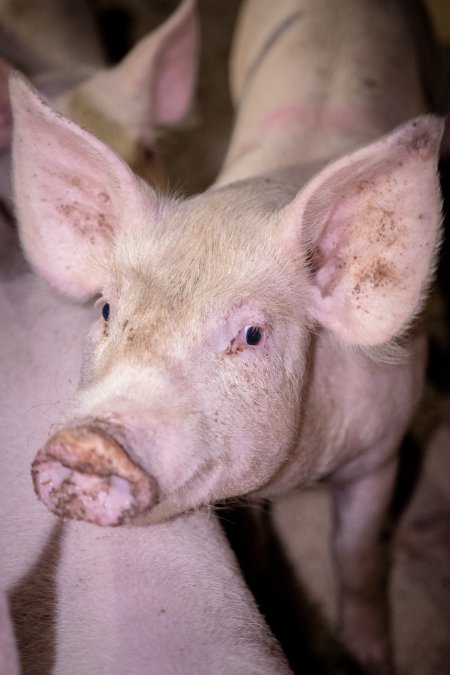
(249, 422)
(93, 348)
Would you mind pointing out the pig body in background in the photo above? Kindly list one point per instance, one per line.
(172, 600)
(254, 338)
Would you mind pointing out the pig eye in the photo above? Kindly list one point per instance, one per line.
(105, 311)
(253, 335)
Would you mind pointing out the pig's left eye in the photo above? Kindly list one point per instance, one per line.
(105, 311)
(253, 335)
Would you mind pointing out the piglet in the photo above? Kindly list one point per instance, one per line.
(260, 336)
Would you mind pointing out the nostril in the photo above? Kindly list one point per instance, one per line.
(83, 473)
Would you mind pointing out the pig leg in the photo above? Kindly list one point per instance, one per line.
(361, 552)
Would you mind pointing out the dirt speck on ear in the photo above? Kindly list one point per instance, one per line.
(420, 144)
(87, 222)
(381, 273)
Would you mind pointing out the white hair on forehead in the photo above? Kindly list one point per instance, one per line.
(219, 247)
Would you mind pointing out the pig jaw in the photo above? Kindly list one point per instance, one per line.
(82, 473)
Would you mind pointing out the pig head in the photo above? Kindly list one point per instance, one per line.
(199, 380)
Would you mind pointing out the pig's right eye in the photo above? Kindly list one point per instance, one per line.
(105, 311)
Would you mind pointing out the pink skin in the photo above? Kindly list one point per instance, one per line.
(331, 263)
(171, 600)
(342, 118)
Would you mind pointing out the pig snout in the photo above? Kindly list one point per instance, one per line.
(84, 474)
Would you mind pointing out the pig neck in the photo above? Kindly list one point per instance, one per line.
(326, 78)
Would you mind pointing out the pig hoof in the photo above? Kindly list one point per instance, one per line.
(84, 474)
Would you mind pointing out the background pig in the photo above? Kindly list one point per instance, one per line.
(231, 321)
(171, 600)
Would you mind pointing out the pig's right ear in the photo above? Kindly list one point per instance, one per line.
(370, 223)
(71, 192)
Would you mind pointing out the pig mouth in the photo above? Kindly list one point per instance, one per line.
(84, 474)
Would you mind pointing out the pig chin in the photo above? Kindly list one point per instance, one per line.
(84, 474)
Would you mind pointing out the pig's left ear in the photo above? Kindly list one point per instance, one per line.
(370, 226)
(154, 84)
(72, 194)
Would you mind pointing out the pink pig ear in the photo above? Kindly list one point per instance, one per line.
(71, 194)
(174, 67)
(5, 106)
(154, 84)
(371, 225)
